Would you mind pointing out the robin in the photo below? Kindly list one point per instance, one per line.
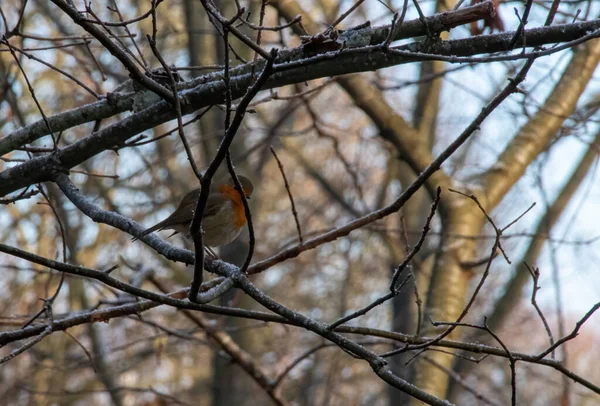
(224, 214)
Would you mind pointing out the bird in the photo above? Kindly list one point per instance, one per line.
(224, 214)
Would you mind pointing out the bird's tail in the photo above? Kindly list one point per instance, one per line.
(152, 229)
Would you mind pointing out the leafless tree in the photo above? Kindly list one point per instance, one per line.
(404, 241)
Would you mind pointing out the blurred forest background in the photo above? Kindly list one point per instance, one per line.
(352, 131)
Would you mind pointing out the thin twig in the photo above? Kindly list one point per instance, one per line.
(535, 274)
(126, 28)
(37, 103)
(522, 23)
(61, 71)
(369, 307)
(346, 14)
(513, 364)
(462, 382)
(240, 35)
(290, 196)
(177, 106)
(21, 196)
(297, 361)
(295, 20)
(573, 333)
(419, 243)
(86, 352)
(128, 22)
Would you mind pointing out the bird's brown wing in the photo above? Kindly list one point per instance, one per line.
(185, 211)
(176, 217)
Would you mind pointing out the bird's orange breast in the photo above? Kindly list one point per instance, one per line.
(239, 213)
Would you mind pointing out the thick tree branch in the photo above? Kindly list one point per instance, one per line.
(120, 102)
(209, 89)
